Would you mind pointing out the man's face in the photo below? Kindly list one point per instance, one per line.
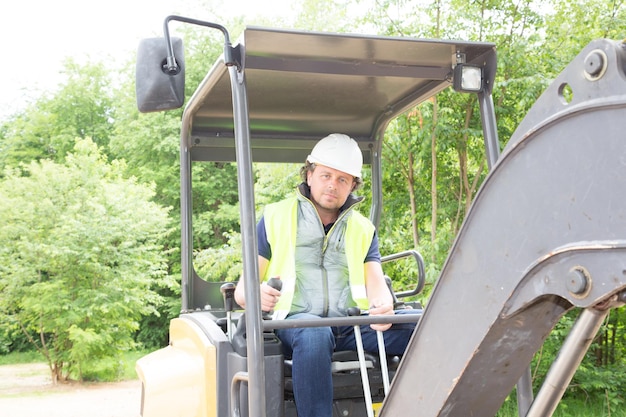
(330, 188)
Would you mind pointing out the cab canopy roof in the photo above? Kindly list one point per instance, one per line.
(302, 86)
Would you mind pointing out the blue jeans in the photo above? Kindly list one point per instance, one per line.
(311, 351)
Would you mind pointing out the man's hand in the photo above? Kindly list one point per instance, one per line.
(385, 309)
(378, 294)
(269, 297)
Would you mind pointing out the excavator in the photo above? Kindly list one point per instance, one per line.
(546, 232)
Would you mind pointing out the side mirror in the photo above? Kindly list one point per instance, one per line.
(157, 89)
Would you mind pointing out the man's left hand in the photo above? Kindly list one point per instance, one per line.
(381, 310)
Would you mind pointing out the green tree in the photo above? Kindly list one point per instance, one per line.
(79, 249)
(320, 15)
(223, 262)
(80, 108)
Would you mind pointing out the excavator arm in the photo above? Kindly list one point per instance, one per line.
(546, 234)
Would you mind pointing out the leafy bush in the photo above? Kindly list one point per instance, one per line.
(80, 250)
(607, 384)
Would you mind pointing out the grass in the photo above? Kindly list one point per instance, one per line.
(14, 358)
(127, 362)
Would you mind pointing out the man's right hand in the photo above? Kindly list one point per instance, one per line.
(269, 297)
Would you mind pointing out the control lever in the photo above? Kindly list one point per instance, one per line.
(382, 353)
(397, 304)
(355, 311)
(277, 284)
(228, 292)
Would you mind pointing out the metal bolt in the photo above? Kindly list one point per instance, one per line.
(577, 281)
(594, 64)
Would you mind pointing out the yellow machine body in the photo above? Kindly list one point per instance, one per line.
(180, 379)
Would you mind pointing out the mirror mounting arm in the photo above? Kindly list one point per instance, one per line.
(172, 68)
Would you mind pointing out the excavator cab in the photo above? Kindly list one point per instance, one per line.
(546, 232)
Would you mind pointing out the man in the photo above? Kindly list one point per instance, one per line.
(326, 255)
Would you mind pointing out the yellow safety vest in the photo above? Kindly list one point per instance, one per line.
(281, 228)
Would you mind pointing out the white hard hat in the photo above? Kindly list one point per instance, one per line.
(340, 152)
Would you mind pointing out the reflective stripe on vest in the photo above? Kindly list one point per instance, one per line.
(281, 229)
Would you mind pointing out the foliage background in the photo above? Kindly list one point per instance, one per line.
(87, 135)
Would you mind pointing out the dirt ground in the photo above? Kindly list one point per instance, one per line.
(27, 391)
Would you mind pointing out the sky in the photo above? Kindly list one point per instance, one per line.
(38, 35)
